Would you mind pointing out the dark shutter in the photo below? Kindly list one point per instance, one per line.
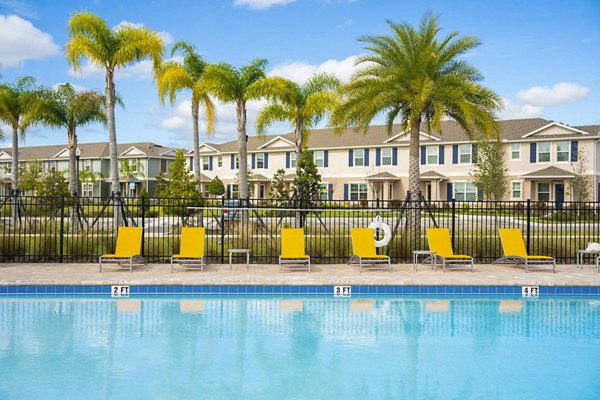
(395, 156)
(210, 163)
(266, 160)
(532, 152)
(346, 194)
(574, 148)
(350, 158)
(454, 154)
(326, 159)
(474, 153)
(377, 157)
(232, 161)
(366, 157)
(228, 191)
(479, 195)
(441, 156)
(449, 191)
(287, 159)
(253, 161)
(330, 191)
(192, 164)
(423, 155)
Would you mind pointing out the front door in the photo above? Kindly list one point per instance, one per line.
(429, 192)
(261, 192)
(559, 190)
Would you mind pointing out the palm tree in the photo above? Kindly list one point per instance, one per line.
(18, 109)
(232, 85)
(174, 77)
(67, 108)
(302, 105)
(110, 49)
(416, 77)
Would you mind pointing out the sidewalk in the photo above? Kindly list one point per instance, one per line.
(337, 274)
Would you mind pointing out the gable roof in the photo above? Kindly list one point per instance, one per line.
(549, 172)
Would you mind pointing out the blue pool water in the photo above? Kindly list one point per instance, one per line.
(312, 348)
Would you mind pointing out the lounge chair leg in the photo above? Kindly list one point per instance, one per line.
(171, 264)
(100, 264)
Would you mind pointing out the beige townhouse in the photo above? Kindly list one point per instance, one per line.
(540, 156)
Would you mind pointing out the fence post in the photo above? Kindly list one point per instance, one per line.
(453, 223)
(62, 228)
(528, 223)
(143, 222)
(222, 230)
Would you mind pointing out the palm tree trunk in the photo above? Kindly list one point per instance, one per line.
(15, 174)
(72, 146)
(112, 143)
(414, 186)
(299, 136)
(242, 148)
(196, 134)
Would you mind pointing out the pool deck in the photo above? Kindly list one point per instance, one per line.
(337, 274)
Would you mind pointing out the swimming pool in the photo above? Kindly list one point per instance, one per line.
(299, 348)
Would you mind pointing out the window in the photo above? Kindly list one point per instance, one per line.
(292, 159)
(464, 154)
(359, 158)
(543, 189)
(237, 162)
(319, 158)
(220, 162)
(205, 163)
(563, 151)
(88, 189)
(465, 191)
(386, 156)
(133, 166)
(515, 151)
(324, 191)
(260, 160)
(163, 165)
(235, 191)
(543, 152)
(515, 192)
(432, 154)
(87, 165)
(358, 191)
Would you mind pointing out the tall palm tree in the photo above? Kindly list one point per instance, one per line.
(174, 77)
(303, 106)
(67, 108)
(416, 76)
(239, 85)
(18, 109)
(110, 49)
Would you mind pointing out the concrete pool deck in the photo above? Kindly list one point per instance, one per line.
(257, 274)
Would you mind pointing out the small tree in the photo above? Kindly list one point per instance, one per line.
(31, 174)
(181, 190)
(53, 183)
(490, 174)
(216, 187)
(307, 185)
(279, 192)
(161, 185)
(580, 184)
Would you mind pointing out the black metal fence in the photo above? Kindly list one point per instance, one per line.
(60, 229)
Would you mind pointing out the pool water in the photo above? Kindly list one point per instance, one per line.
(312, 348)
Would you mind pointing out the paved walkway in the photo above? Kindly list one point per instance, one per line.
(217, 274)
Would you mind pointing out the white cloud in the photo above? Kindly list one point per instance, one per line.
(344, 24)
(261, 4)
(300, 72)
(165, 36)
(561, 93)
(21, 41)
(518, 110)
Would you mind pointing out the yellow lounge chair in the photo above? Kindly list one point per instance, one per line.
(191, 249)
(363, 248)
(515, 251)
(129, 246)
(440, 245)
(292, 249)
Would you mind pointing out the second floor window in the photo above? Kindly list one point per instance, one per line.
(543, 152)
(386, 156)
(260, 160)
(464, 154)
(293, 159)
(205, 163)
(433, 154)
(359, 158)
(220, 162)
(515, 151)
(563, 151)
(87, 165)
(319, 158)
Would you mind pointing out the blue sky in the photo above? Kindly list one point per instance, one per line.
(542, 57)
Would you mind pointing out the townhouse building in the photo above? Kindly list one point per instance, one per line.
(139, 165)
(540, 156)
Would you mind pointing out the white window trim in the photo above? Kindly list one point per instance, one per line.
(537, 191)
(520, 190)
(322, 158)
(262, 155)
(470, 154)
(537, 156)
(465, 182)
(568, 151)
(354, 157)
(437, 155)
(207, 159)
(391, 156)
(220, 162)
(511, 151)
(350, 190)
(293, 163)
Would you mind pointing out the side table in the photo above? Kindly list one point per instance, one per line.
(582, 253)
(417, 253)
(242, 251)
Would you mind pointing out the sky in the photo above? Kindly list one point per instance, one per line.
(541, 56)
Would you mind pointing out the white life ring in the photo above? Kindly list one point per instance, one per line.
(387, 232)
